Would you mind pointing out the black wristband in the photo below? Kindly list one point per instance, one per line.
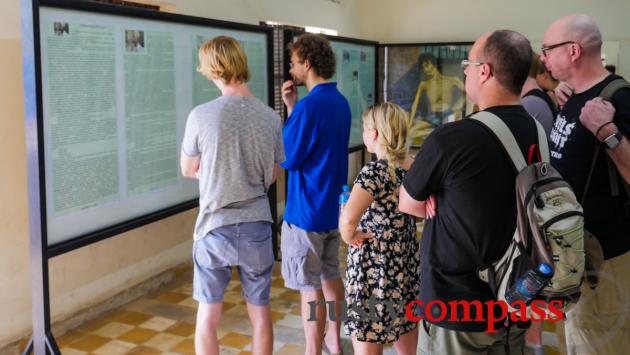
(600, 129)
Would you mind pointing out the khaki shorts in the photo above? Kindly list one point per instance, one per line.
(308, 257)
(434, 340)
(600, 322)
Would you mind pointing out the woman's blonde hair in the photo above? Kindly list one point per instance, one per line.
(392, 123)
(223, 58)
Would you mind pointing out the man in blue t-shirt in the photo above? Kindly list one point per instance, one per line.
(316, 133)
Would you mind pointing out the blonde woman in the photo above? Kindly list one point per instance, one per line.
(383, 257)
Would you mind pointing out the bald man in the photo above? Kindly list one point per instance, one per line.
(464, 168)
(571, 51)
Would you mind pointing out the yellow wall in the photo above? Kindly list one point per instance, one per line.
(80, 278)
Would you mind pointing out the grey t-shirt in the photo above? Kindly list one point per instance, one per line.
(240, 140)
(539, 109)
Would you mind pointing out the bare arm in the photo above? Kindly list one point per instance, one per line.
(277, 170)
(621, 157)
(358, 203)
(190, 165)
(563, 91)
(597, 112)
(289, 95)
(410, 206)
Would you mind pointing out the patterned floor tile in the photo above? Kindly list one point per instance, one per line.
(140, 305)
(163, 323)
(113, 330)
(291, 321)
(69, 338)
(143, 350)
(291, 349)
(164, 341)
(171, 297)
(71, 351)
(133, 318)
(225, 350)
(235, 340)
(279, 283)
(276, 292)
(138, 335)
(186, 346)
(181, 329)
(159, 324)
(173, 311)
(276, 316)
(189, 302)
(94, 324)
(234, 297)
(89, 343)
(291, 296)
(115, 347)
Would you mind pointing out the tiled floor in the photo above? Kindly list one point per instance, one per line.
(163, 322)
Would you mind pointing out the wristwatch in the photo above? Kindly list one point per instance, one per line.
(613, 140)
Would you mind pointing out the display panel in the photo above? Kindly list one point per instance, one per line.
(426, 80)
(116, 93)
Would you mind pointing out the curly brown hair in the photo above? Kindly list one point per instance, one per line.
(317, 50)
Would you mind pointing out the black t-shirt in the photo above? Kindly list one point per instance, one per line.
(464, 166)
(572, 148)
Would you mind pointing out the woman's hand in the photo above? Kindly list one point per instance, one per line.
(359, 237)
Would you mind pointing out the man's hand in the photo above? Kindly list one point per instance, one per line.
(359, 237)
(563, 91)
(431, 207)
(289, 94)
(595, 113)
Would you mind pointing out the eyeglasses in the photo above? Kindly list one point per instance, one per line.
(544, 50)
(466, 63)
(292, 64)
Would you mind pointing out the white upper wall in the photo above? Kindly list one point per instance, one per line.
(401, 21)
(343, 16)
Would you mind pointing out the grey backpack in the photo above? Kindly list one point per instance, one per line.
(550, 223)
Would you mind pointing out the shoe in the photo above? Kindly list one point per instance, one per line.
(327, 351)
(534, 349)
(325, 348)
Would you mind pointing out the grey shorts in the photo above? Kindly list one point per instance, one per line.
(245, 245)
(308, 257)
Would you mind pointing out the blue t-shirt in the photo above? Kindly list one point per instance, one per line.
(316, 136)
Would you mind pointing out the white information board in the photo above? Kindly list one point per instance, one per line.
(116, 93)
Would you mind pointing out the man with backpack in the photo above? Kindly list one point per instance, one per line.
(590, 148)
(463, 169)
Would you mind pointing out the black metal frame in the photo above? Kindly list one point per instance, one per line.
(42, 340)
(464, 43)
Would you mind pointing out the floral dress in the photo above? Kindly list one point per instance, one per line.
(383, 275)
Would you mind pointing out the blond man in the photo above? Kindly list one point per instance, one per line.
(234, 223)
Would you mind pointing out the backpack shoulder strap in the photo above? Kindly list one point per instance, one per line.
(609, 90)
(607, 93)
(505, 136)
